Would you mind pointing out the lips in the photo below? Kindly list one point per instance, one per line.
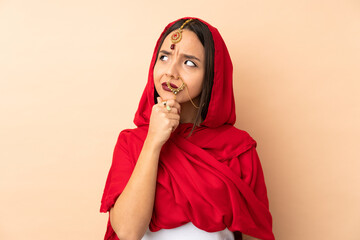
(171, 84)
(165, 87)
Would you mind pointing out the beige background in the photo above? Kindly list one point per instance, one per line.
(71, 76)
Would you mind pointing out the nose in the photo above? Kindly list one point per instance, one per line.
(172, 70)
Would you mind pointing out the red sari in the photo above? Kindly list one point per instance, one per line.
(213, 179)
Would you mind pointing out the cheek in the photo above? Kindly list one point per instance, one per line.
(198, 88)
(195, 86)
(156, 74)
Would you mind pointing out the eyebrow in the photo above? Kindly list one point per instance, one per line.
(185, 55)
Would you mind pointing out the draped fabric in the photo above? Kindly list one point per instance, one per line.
(213, 179)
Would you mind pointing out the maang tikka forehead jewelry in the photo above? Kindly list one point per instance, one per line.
(176, 37)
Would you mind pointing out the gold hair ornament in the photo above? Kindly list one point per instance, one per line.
(177, 36)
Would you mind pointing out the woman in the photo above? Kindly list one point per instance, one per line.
(186, 172)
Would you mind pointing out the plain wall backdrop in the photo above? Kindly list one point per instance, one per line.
(71, 77)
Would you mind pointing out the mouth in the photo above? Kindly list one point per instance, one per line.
(165, 87)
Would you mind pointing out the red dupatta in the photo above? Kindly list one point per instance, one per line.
(213, 179)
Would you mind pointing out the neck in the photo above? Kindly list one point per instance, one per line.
(188, 111)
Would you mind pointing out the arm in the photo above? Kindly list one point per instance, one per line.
(247, 237)
(132, 211)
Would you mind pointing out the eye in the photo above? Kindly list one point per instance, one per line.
(190, 63)
(163, 57)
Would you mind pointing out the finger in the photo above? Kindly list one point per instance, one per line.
(175, 124)
(175, 110)
(172, 110)
(159, 100)
(174, 104)
(173, 116)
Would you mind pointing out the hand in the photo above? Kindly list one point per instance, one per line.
(163, 122)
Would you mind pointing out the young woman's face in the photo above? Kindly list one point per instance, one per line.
(186, 60)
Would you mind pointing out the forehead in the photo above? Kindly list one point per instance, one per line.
(189, 44)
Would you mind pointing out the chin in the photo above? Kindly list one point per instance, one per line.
(167, 95)
(170, 96)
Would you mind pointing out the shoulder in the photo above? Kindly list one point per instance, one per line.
(130, 141)
(132, 134)
(238, 135)
(225, 142)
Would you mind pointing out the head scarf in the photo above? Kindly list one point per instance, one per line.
(213, 179)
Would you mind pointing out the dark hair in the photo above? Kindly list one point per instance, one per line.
(205, 37)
